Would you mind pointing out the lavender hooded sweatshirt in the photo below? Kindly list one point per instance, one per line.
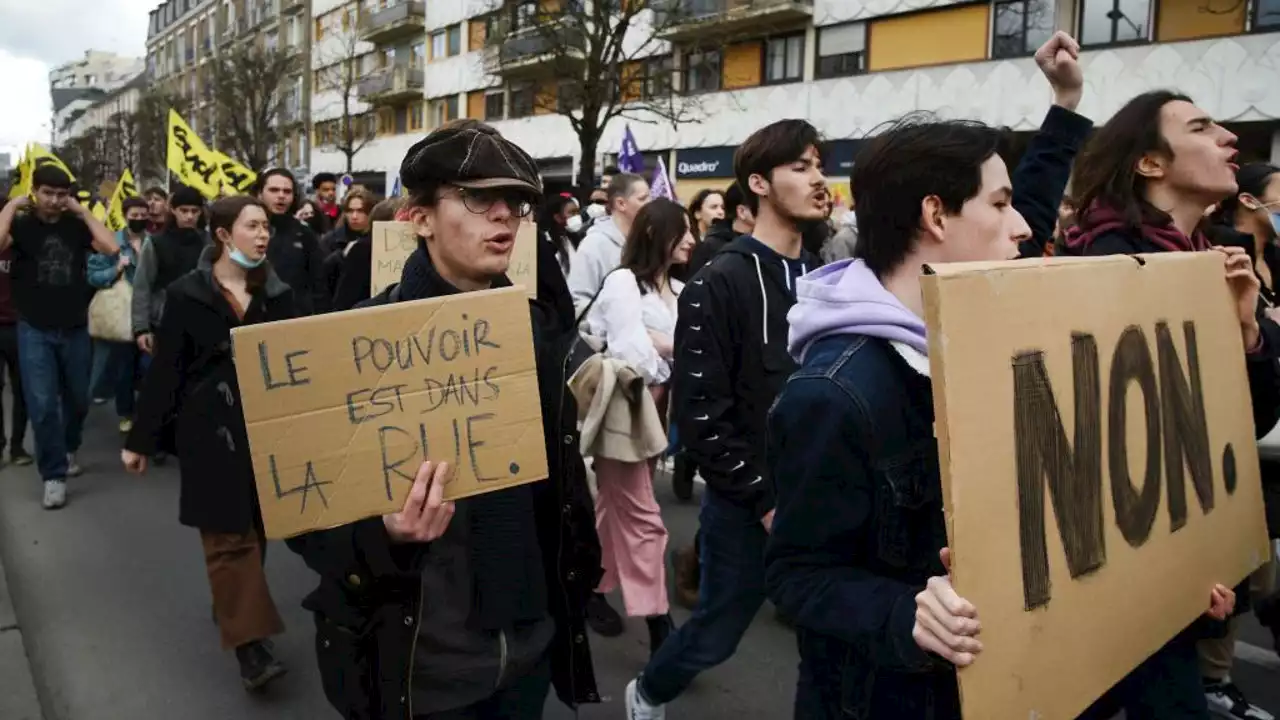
(846, 298)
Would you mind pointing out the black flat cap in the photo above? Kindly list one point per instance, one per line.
(469, 154)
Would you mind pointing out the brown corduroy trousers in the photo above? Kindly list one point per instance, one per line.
(242, 602)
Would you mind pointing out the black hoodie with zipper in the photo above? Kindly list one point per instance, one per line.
(294, 251)
(731, 362)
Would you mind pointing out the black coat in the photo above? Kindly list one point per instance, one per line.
(296, 255)
(193, 379)
(367, 603)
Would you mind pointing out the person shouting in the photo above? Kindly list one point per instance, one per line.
(294, 251)
(474, 608)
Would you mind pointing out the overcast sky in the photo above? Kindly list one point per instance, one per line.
(36, 35)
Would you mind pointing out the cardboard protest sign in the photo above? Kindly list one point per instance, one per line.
(342, 408)
(1099, 469)
(393, 243)
(523, 270)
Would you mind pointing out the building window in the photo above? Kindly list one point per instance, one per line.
(419, 55)
(454, 35)
(388, 57)
(784, 59)
(1108, 22)
(1266, 14)
(437, 45)
(842, 50)
(657, 77)
(493, 105)
(1019, 27)
(521, 100)
(415, 116)
(443, 110)
(524, 15)
(702, 71)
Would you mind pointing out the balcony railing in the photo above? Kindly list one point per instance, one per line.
(398, 82)
(684, 20)
(548, 47)
(406, 18)
(289, 6)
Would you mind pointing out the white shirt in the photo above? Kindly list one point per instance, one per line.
(622, 316)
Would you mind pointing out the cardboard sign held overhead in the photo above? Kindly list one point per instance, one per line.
(1099, 469)
(342, 408)
(394, 242)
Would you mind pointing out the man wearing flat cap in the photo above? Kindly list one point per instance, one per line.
(473, 608)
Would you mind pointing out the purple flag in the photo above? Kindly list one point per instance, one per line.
(661, 184)
(629, 158)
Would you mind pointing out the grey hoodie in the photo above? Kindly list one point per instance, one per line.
(598, 254)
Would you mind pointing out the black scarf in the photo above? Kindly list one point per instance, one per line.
(506, 562)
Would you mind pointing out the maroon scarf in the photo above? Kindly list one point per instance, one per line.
(1101, 220)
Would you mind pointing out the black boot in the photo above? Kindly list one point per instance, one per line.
(660, 627)
(602, 618)
(682, 477)
(257, 665)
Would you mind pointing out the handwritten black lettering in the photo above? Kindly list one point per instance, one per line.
(1135, 510)
(377, 401)
(1074, 478)
(191, 158)
(1186, 429)
(309, 482)
(473, 443)
(293, 372)
(1176, 430)
(393, 467)
(460, 390)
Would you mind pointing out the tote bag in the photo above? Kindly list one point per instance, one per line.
(110, 313)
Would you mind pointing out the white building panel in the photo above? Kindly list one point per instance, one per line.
(1233, 78)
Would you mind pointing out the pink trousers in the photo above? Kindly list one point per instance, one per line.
(632, 536)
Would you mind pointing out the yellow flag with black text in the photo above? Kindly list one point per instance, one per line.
(125, 189)
(236, 178)
(35, 158)
(188, 158)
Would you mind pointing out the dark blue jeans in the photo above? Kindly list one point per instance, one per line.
(115, 373)
(729, 596)
(55, 368)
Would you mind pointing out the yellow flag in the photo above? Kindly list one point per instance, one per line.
(36, 157)
(99, 211)
(125, 188)
(189, 159)
(236, 178)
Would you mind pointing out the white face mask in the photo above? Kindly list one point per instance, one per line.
(574, 223)
(595, 211)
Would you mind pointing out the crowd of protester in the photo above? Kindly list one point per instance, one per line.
(784, 361)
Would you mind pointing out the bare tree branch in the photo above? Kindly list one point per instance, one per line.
(250, 84)
(591, 61)
(151, 126)
(339, 74)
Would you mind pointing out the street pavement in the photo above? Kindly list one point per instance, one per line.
(113, 605)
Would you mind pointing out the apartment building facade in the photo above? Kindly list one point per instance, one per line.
(846, 65)
(184, 38)
(76, 86)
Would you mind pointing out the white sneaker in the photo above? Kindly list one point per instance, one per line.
(55, 494)
(638, 709)
(1226, 701)
(73, 470)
